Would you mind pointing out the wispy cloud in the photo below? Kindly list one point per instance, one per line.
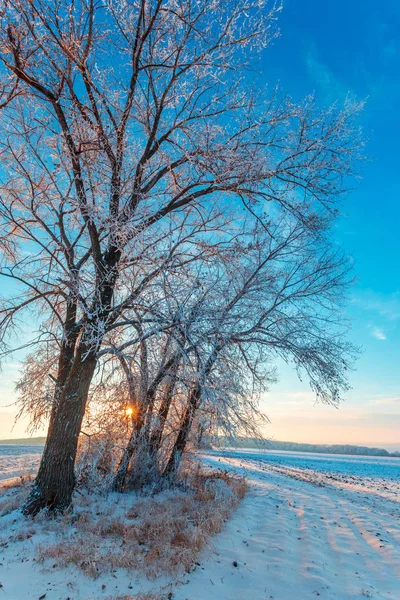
(327, 83)
(378, 333)
(385, 402)
(387, 306)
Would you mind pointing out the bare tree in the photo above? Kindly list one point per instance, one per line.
(277, 293)
(122, 124)
(283, 298)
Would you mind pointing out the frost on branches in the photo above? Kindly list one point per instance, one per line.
(166, 224)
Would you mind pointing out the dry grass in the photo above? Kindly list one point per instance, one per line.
(78, 552)
(106, 526)
(163, 535)
(15, 482)
(13, 493)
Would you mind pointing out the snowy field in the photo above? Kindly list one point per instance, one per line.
(17, 460)
(363, 466)
(330, 532)
(379, 475)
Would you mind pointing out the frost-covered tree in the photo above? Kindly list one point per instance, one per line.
(124, 125)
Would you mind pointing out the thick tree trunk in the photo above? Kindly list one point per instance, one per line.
(55, 482)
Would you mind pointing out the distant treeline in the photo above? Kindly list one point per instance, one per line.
(253, 443)
(37, 441)
(315, 448)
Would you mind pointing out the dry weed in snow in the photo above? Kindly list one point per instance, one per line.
(158, 535)
(13, 493)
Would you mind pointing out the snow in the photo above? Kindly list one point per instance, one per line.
(295, 540)
(343, 464)
(377, 475)
(292, 538)
(15, 460)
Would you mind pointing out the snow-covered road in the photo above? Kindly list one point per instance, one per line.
(295, 540)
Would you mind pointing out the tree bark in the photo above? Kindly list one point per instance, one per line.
(137, 438)
(192, 405)
(55, 482)
(157, 432)
(141, 426)
(122, 470)
(184, 430)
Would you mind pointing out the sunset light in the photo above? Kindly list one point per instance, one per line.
(199, 299)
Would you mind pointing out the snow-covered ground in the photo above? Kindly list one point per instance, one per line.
(296, 536)
(377, 475)
(297, 540)
(17, 460)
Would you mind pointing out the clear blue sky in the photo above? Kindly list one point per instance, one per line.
(332, 49)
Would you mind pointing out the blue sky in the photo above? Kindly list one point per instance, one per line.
(332, 49)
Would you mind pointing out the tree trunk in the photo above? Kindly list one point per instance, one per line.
(122, 470)
(141, 430)
(181, 440)
(192, 405)
(55, 482)
(157, 433)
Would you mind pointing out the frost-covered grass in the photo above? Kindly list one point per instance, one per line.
(13, 493)
(153, 535)
(157, 535)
